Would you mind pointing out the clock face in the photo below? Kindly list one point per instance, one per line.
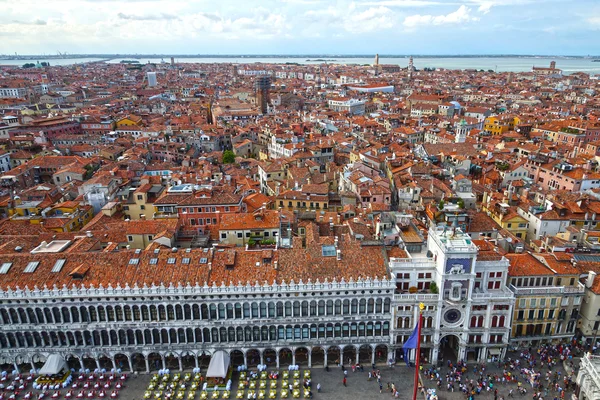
(452, 316)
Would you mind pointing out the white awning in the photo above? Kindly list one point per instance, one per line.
(219, 364)
(54, 365)
(494, 351)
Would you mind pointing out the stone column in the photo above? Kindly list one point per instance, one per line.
(357, 355)
(81, 363)
(434, 354)
(245, 359)
(324, 357)
(461, 352)
(277, 358)
(32, 365)
(164, 363)
(294, 357)
(180, 363)
(130, 364)
(262, 357)
(373, 356)
(114, 363)
(309, 359)
(196, 360)
(16, 366)
(147, 365)
(98, 363)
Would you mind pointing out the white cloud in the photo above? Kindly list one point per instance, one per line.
(351, 19)
(595, 22)
(370, 20)
(485, 7)
(403, 3)
(462, 15)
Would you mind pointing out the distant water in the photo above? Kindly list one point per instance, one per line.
(499, 64)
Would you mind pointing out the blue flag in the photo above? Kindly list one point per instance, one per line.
(411, 343)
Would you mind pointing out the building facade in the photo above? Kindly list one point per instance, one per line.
(467, 312)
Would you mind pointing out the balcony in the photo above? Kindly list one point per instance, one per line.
(541, 291)
(416, 297)
(493, 295)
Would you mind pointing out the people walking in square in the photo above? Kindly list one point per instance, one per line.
(344, 381)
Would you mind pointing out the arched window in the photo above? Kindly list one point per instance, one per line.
(338, 307)
(321, 307)
(271, 310)
(371, 306)
(346, 307)
(296, 309)
(127, 314)
(329, 307)
(118, 313)
(288, 309)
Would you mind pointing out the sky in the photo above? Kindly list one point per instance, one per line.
(434, 27)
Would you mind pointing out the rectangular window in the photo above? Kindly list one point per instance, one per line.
(31, 267)
(58, 265)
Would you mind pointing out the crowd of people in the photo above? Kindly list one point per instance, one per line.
(533, 371)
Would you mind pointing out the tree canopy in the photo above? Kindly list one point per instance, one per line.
(228, 157)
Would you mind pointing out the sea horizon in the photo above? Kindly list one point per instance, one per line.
(283, 55)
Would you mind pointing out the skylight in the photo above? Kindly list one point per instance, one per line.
(171, 260)
(134, 261)
(328, 251)
(58, 265)
(203, 260)
(185, 260)
(153, 261)
(5, 267)
(31, 267)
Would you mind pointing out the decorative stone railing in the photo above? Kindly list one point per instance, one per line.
(187, 289)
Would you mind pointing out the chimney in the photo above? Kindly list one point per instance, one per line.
(590, 279)
(335, 242)
(275, 265)
(339, 254)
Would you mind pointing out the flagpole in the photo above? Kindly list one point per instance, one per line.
(418, 349)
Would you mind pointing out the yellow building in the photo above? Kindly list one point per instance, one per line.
(548, 297)
(498, 125)
(291, 200)
(139, 203)
(130, 120)
(507, 217)
(33, 201)
(68, 216)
